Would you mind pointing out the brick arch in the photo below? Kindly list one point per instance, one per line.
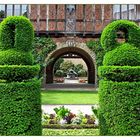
(80, 49)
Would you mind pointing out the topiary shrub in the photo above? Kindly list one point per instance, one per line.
(20, 105)
(109, 34)
(119, 87)
(20, 108)
(123, 55)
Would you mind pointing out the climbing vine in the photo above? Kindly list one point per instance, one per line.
(95, 46)
(42, 47)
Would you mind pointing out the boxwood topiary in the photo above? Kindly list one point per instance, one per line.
(16, 32)
(119, 108)
(123, 55)
(14, 57)
(119, 91)
(119, 73)
(18, 72)
(20, 106)
(109, 34)
(20, 112)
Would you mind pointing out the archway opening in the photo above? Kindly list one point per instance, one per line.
(70, 69)
(49, 79)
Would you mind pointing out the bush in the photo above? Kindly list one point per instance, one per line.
(82, 73)
(66, 66)
(57, 64)
(20, 110)
(18, 72)
(119, 108)
(109, 34)
(120, 73)
(20, 106)
(69, 126)
(123, 55)
(13, 57)
(119, 91)
(16, 32)
(59, 73)
(96, 47)
(42, 47)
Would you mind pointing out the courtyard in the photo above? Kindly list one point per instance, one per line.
(69, 72)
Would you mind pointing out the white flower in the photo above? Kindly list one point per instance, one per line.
(63, 121)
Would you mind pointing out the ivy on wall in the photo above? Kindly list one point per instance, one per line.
(42, 47)
(95, 46)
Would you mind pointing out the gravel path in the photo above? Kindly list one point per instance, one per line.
(86, 109)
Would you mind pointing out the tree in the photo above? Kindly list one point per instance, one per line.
(57, 64)
(66, 66)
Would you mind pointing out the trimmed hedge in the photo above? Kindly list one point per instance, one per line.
(16, 32)
(119, 91)
(120, 73)
(20, 106)
(125, 54)
(69, 126)
(20, 110)
(18, 72)
(13, 57)
(119, 108)
(109, 34)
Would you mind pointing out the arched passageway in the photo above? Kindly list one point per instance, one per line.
(74, 50)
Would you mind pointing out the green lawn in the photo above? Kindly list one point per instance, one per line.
(70, 132)
(69, 97)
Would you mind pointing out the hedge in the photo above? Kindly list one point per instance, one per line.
(125, 54)
(120, 73)
(119, 108)
(18, 72)
(20, 110)
(109, 34)
(13, 57)
(69, 126)
(20, 106)
(119, 88)
(16, 32)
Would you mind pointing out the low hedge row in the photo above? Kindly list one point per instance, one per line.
(119, 108)
(20, 110)
(18, 72)
(14, 57)
(69, 126)
(125, 54)
(120, 73)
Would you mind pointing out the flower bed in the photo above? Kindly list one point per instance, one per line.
(65, 119)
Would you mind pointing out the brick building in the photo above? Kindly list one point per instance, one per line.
(72, 25)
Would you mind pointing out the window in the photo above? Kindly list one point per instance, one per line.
(116, 11)
(17, 10)
(13, 10)
(124, 11)
(2, 11)
(132, 12)
(9, 10)
(24, 10)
